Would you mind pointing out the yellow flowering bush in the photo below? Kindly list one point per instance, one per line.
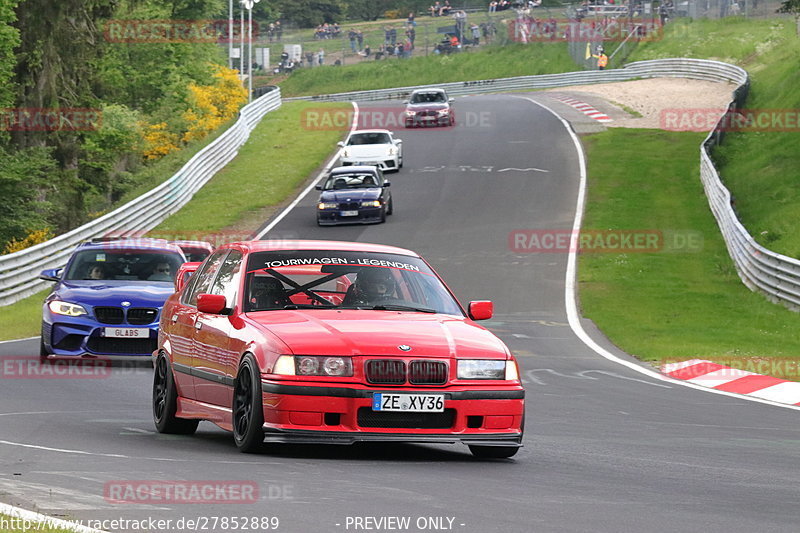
(158, 141)
(213, 105)
(33, 237)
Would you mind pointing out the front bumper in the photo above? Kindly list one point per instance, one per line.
(343, 415)
(66, 337)
(330, 217)
(427, 121)
(390, 163)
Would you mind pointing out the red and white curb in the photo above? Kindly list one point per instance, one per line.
(584, 108)
(723, 378)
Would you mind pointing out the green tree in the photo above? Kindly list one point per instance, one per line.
(23, 208)
(9, 39)
(309, 13)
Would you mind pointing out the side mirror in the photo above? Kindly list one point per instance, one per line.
(212, 304)
(451, 100)
(480, 310)
(318, 187)
(398, 141)
(340, 144)
(387, 184)
(51, 274)
(405, 102)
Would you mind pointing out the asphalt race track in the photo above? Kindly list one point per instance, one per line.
(606, 448)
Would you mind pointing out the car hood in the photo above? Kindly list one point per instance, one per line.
(426, 107)
(368, 150)
(367, 332)
(113, 293)
(352, 195)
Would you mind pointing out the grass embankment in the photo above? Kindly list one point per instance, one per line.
(479, 64)
(280, 154)
(674, 304)
(761, 168)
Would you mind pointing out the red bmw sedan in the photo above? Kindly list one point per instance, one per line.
(332, 342)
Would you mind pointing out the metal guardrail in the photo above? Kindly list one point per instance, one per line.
(681, 68)
(759, 268)
(19, 270)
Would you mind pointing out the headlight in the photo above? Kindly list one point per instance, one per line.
(371, 203)
(64, 308)
(481, 369)
(410, 113)
(314, 365)
(327, 205)
(443, 112)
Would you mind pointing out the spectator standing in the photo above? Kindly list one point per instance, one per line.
(278, 30)
(476, 34)
(352, 36)
(360, 39)
(387, 35)
(321, 56)
(393, 36)
(310, 58)
(411, 33)
(411, 21)
(271, 31)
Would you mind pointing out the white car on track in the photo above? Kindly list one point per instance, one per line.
(372, 147)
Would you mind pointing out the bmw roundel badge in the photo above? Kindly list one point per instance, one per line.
(405, 347)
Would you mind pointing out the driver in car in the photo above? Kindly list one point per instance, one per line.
(372, 286)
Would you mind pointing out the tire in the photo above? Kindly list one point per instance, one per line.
(493, 452)
(165, 402)
(390, 209)
(43, 353)
(400, 163)
(383, 215)
(247, 415)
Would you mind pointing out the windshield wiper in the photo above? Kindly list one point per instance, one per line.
(394, 307)
(307, 306)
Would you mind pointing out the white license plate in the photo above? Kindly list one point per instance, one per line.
(428, 403)
(127, 333)
(348, 213)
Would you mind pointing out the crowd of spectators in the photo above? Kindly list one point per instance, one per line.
(327, 31)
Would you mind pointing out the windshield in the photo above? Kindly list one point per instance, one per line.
(428, 98)
(124, 264)
(344, 280)
(352, 181)
(369, 138)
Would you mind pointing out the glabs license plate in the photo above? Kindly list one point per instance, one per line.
(348, 213)
(428, 403)
(127, 333)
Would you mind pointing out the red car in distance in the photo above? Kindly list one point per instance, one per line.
(332, 342)
(195, 250)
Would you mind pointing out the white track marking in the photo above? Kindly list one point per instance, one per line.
(19, 340)
(332, 161)
(569, 290)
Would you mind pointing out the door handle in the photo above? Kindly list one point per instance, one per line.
(174, 318)
(198, 325)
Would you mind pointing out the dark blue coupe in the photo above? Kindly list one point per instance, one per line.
(354, 195)
(107, 300)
